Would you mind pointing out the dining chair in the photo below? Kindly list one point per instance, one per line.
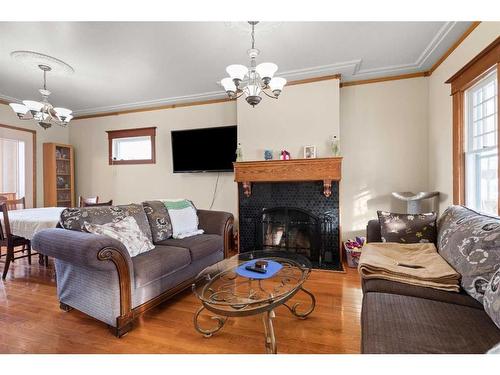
(89, 200)
(108, 203)
(10, 241)
(16, 204)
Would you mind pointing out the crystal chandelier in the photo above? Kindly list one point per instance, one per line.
(254, 80)
(43, 112)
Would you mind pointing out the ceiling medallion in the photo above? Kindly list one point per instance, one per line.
(42, 111)
(254, 80)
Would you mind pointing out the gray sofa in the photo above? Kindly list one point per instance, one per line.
(96, 275)
(398, 318)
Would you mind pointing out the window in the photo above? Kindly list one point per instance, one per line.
(481, 148)
(132, 146)
(474, 90)
(12, 166)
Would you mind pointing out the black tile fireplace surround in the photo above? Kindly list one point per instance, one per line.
(292, 216)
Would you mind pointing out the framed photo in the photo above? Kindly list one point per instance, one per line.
(309, 152)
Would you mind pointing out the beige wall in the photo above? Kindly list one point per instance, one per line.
(440, 109)
(306, 114)
(384, 145)
(369, 118)
(54, 134)
(135, 183)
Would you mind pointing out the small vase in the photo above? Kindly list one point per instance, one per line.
(239, 153)
(335, 146)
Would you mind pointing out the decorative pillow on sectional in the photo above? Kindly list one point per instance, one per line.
(75, 218)
(184, 218)
(407, 228)
(159, 221)
(470, 243)
(491, 299)
(126, 231)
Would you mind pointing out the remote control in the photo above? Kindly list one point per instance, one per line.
(253, 269)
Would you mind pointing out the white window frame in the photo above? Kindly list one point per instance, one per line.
(473, 156)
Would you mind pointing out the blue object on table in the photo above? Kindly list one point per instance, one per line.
(272, 268)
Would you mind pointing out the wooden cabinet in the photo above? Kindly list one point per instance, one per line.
(58, 175)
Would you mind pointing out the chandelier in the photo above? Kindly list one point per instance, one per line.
(254, 80)
(43, 112)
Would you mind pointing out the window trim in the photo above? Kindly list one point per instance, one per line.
(478, 68)
(128, 133)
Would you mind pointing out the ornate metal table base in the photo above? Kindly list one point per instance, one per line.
(267, 319)
(305, 314)
(210, 331)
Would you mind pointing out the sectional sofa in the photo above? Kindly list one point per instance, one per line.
(400, 318)
(96, 275)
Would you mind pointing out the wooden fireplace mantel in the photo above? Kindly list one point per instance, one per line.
(295, 170)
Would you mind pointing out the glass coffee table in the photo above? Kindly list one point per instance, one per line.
(227, 289)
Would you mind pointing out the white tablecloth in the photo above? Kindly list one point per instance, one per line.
(25, 223)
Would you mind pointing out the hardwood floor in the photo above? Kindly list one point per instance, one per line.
(31, 321)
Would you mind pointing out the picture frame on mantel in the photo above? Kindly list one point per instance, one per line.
(310, 152)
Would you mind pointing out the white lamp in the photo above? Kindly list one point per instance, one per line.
(20, 109)
(237, 72)
(33, 105)
(229, 86)
(266, 71)
(276, 84)
(62, 113)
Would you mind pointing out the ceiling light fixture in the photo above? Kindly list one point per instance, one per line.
(254, 80)
(43, 112)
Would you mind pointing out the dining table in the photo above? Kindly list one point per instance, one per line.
(27, 222)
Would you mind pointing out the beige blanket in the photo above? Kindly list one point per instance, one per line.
(416, 264)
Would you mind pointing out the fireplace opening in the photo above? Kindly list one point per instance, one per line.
(297, 231)
(291, 229)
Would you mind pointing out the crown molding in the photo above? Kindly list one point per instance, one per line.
(152, 104)
(454, 46)
(421, 60)
(6, 99)
(384, 79)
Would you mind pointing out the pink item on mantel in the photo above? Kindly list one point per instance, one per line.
(284, 155)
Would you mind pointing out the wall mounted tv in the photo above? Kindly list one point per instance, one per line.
(204, 150)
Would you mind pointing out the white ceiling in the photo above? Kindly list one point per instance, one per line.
(123, 65)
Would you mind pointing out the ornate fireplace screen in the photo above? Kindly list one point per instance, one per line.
(298, 231)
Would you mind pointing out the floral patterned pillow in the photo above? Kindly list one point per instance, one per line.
(491, 299)
(470, 243)
(407, 228)
(126, 231)
(159, 220)
(75, 218)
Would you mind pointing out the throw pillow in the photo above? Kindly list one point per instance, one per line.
(126, 231)
(491, 299)
(74, 218)
(407, 228)
(183, 217)
(470, 243)
(159, 221)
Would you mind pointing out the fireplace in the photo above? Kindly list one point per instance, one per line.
(298, 231)
(290, 229)
(292, 206)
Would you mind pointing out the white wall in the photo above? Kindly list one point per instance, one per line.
(136, 183)
(53, 134)
(384, 138)
(306, 114)
(440, 109)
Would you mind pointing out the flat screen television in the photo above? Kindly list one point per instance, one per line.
(204, 150)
